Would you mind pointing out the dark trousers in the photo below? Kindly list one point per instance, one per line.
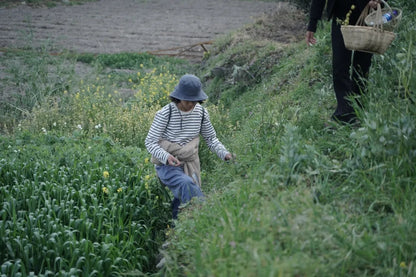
(175, 207)
(349, 71)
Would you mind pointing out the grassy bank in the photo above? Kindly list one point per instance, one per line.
(304, 197)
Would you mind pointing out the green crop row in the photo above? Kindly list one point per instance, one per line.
(78, 207)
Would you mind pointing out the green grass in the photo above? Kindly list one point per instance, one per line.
(300, 199)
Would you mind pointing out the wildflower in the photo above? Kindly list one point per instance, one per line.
(98, 126)
(106, 174)
(146, 160)
(403, 265)
(105, 190)
(79, 126)
(119, 190)
(147, 177)
(146, 186)
(44, 131)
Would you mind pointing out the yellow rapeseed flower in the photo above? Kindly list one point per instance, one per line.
(147, 177)
(119, 190)
(402, 264)
(105, 190)
(146, 186)
(146, 160)
(106, 174)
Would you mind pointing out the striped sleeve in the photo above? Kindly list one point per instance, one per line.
(155, 134)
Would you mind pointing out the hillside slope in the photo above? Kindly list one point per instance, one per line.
(305, 196)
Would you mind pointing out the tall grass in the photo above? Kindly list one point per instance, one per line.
(304, 199)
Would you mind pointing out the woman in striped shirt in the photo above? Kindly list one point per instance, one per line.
(173, 141)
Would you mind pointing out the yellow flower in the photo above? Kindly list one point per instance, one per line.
(146, 160)
(147, 177)
(119, 190)
(403, 265)
(105, 190)
(106, 174)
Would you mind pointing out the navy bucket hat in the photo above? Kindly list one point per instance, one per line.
(189, 89)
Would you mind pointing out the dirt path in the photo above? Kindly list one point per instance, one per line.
(112, 26)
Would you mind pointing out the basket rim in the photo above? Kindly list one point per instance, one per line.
(373, 13)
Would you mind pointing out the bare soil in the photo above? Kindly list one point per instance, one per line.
(157, 26)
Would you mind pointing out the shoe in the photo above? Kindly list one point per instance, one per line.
(346, 119)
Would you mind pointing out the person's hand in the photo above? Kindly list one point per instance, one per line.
(310, 39)
(373, 3)
(229, 157)
(173, 161)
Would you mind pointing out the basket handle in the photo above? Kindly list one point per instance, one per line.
(378, 25)
(385, 4)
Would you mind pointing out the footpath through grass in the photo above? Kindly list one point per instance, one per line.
(79, 196)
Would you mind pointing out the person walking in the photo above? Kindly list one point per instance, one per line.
(346, 85)
(173, 141)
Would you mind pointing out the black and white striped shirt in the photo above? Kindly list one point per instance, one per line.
(182, 128)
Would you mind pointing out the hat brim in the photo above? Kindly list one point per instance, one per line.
(201, 96)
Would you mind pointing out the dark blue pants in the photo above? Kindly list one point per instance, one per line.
(181, 185)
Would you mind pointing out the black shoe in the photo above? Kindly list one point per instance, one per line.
(346, 119)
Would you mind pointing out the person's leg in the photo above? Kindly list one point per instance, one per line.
(360, 69)
(175, 207)
(181, 185)
(341, 62)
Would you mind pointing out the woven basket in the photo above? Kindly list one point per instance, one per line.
(362, 38)
(371, 18)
